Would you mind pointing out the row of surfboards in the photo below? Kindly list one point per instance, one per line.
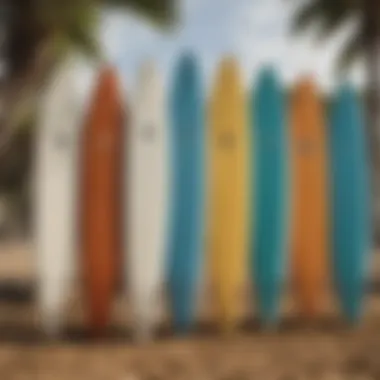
(270, 187)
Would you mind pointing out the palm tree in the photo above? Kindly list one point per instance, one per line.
(35, 33)
(34, 36)
(330, 16)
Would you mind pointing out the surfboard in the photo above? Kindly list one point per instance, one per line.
(187, 157)
(350, 201)
(101, 199)
(310, 199)
(55, 194)
(270, 193)
(228, 193)
(148, 194)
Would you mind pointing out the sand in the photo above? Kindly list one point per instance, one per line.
(324, 349)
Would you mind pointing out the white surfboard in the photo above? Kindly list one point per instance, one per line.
(55, 192)
(147, 187)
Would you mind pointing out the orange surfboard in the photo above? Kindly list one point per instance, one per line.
(101, 199)
(310, 199)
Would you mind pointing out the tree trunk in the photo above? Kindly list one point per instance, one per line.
(372, 47)
(4, 45)
(26, 61)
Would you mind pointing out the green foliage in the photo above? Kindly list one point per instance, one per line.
(68, 24)
(42, 31)
(161, 12)
(71, 23)
(76, 21)
(328, 16)
(47, 29)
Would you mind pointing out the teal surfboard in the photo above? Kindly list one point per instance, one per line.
(269, 141)
(187, 157)
(350, 201)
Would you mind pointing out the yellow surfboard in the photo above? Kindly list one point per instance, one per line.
(228, 193)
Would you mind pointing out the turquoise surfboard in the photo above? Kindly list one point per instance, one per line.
(350, 202)
(269, 141)
(187, 131)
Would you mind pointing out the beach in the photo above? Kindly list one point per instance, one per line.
(326, 348)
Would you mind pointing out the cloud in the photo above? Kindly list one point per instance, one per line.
(255, 31)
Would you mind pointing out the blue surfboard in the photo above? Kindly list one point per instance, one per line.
(186, 240)
(269, 141)
(350, 201)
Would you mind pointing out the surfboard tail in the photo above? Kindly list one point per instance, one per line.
(144, 327)
(147, 312)
(352, 309)
(228, 321)
(99, 306)
(310, 279)
(229, 307)
(53, 293)
(183, 307)
(351, 295)
(51, 310)
(310, 299)
(268, 301)
(98, 318)
(182, 323)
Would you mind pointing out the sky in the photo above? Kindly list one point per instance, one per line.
(257, 32)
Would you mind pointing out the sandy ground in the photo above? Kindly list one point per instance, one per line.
(299, 349)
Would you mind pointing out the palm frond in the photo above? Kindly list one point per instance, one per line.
(338, 14)
(307, 15)
(162, 12)
(81, 28)
(328, 15)
(71, 24)
(351, 52)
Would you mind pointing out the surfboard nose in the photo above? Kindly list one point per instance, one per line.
(306, 89)
(108, 87)
(228, 73)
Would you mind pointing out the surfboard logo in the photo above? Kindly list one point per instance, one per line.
(269, 145)
(306, 147)
(106, 142)
(62, 140)
(148, 133)
(227, 140)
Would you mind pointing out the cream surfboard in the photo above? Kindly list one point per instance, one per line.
(147, 207)
(228, 193)
(55, 193)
